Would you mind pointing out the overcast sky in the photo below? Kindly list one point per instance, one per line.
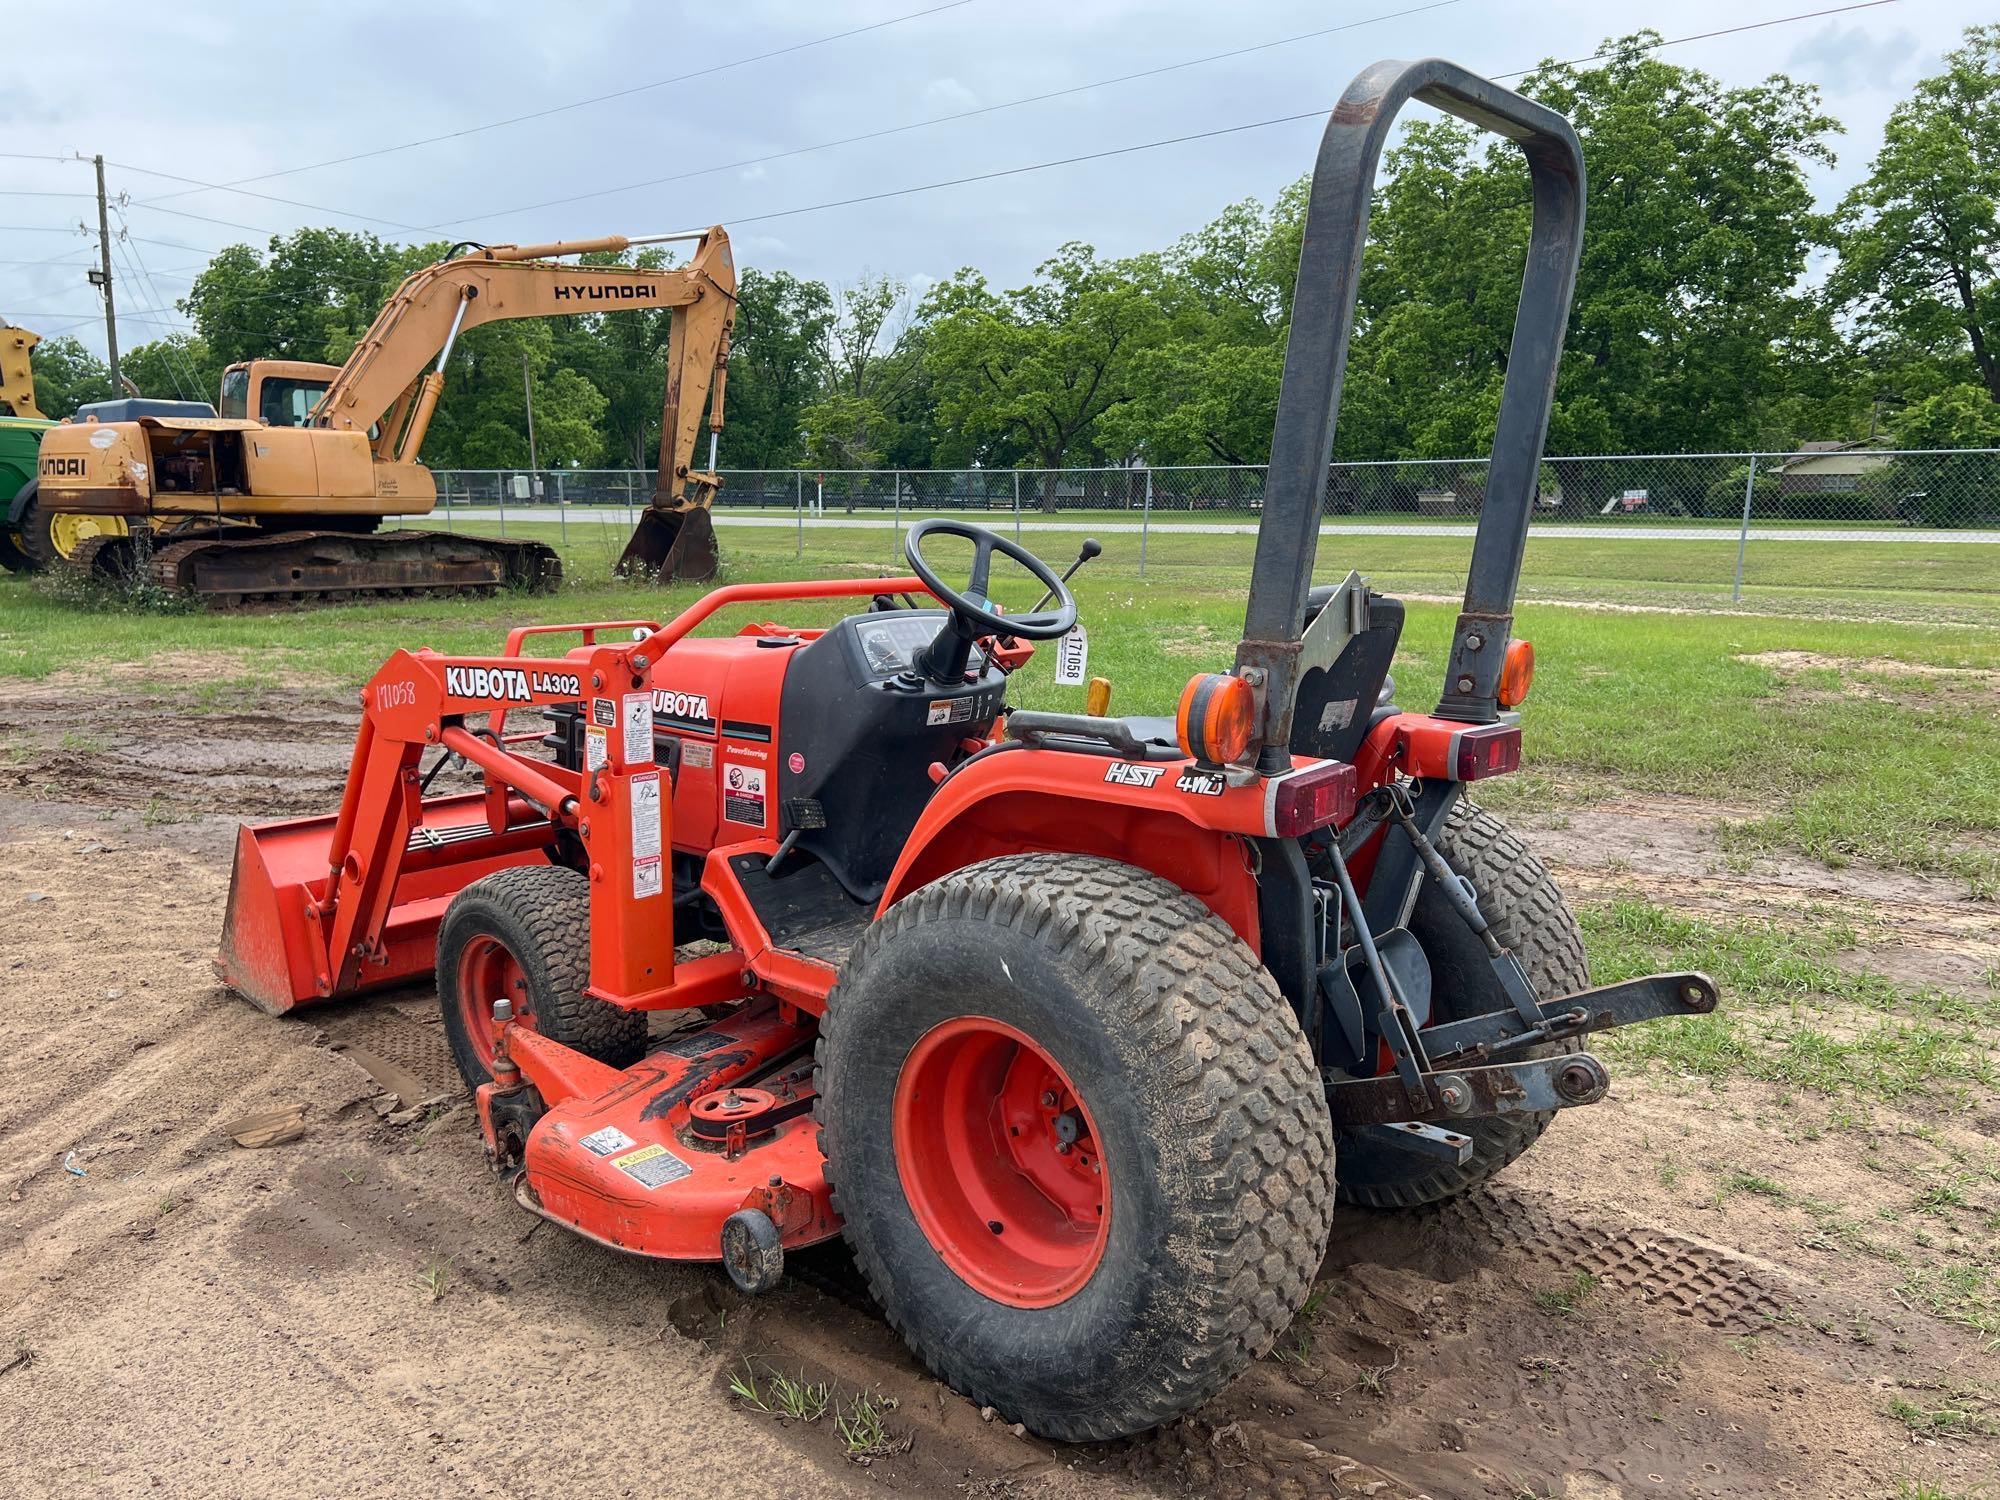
(222, 92)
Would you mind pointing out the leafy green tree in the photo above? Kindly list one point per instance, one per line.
(177, 367)
(1691, 319)
(1039, 366)
(67, 375)
(782, 325)
(483, 422)
(1948, 489)
(310, 295)
(1920, 238)
(1207, 390)
(865, 360)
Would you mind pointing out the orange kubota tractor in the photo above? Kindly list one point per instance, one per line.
(279, 496)
(1075, 1026)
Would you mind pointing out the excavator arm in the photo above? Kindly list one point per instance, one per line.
(390, 385)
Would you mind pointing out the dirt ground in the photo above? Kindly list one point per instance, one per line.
(363, 1312)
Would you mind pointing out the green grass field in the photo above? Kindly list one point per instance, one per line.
(1903, 772)
(1939, 581)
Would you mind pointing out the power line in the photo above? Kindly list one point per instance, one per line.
(556, 109)
(987, 109)
(318, 208)
(1203, 135)
(185, 379)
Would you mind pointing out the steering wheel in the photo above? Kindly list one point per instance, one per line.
(972, 613)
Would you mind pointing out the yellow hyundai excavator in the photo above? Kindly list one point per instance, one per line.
(276, 496)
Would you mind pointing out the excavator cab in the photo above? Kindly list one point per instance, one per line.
(276, 392)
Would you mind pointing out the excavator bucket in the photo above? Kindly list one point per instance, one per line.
(673, 546)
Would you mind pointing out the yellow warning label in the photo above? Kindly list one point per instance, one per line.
(652, 1166)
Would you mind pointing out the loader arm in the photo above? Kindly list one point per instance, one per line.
(385, 384)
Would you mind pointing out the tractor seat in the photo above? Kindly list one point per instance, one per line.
(1154, 729)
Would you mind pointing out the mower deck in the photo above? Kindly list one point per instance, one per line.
(654, 1159)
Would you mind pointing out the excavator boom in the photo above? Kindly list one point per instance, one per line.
(315, 491)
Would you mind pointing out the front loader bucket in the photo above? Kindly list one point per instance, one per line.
(274, 949)
(673, 546)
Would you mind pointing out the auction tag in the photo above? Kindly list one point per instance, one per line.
(1072, 658)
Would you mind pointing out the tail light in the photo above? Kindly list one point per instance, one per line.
(1517, 673)
(1491, 750)
(1313, 798)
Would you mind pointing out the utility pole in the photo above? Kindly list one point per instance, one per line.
(528, 385)
(103, 276)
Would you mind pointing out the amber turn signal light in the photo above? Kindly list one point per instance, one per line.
(1517, 673)
(1217, 716)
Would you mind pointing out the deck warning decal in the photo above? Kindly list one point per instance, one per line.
(652, 1167)
(604, 1142)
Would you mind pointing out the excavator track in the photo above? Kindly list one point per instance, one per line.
(332, 567)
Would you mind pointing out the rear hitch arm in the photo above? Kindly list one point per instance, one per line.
(1536, 1085)
(1478, 1038)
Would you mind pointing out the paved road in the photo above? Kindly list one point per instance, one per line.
(603, 515)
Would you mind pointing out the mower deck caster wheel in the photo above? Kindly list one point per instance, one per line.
(751, 1252)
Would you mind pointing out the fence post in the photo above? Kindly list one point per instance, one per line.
(562, 508)
(1743, 535)
(799, 503)
(1017, 505)
(447, 503)
(1145, 521)
(896, 531)
(500, 487)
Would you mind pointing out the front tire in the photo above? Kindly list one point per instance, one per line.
(524, 934)
(1037, 1002)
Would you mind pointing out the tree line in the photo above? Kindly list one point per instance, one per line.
(1718, 308)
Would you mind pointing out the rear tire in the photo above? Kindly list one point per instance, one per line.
(525, 932)
(1169, 1051)
(1529, 916)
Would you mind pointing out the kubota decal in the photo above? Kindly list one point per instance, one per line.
(1121, 773)
(686, 710)
(1200, 783)
(508, 684)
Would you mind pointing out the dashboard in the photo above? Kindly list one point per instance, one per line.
(889, 642)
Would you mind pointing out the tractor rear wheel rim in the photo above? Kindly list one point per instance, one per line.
(1001, 1163)
(487, 971)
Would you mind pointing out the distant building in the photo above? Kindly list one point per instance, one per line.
(1831, 468)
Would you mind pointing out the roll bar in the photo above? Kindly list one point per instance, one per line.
(1336, 230)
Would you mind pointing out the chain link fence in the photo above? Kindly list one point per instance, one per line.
(1758, 527)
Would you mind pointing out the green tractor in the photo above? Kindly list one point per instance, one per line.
(30, 538)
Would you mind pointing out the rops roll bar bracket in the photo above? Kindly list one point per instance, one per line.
(1323, 305)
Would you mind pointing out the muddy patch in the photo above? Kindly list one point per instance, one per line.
(1690, 1289)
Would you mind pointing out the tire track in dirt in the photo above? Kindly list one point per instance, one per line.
(244, 1339)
